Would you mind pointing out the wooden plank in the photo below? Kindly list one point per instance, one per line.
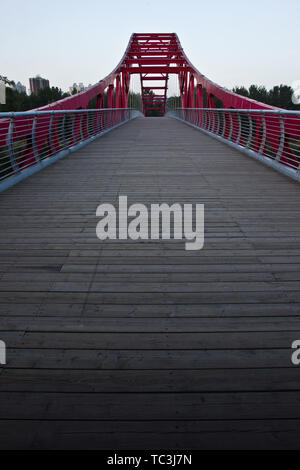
(135, 359)
(14, 309)
(144, 341)
(142, 381)
(180, 435)
(154, 325)
(148, 406)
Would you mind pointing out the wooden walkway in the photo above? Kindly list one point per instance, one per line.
(123, 345)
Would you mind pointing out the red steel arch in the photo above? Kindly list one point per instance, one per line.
(154, 56)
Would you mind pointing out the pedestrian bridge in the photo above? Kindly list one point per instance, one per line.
(116, 342)
(122, 344)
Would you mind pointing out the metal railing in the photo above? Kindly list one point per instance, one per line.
(272, 137)
(32, 140)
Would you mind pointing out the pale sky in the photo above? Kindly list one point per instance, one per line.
(232, 42)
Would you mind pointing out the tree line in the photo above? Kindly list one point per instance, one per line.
(279, 96)
(16, 101)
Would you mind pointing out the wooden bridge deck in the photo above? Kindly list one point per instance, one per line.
(123, 345)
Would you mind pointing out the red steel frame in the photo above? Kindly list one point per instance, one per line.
(154, 56)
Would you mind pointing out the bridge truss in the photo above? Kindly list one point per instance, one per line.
(154, 57)
(31, 140)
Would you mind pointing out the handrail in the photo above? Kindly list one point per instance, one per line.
(56, 111)
(31, 140)
(270, 136)
(255, 111)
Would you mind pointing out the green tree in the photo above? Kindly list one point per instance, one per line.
(16, 101)
(241, 90)
(279, 96)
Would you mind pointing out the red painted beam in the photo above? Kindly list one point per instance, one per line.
(156, 53)
(153, 61)
(154, 78)
(149, 69)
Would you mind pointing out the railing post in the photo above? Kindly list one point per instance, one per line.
(218, 121)
(224, 125)
(73, 116)
(102, 120)
(263, 140)
(34, 147)
(207, 120)
(202, 119)
(81, 127)
(94, 121)
(63, 126)
(98, 121)
(10, 139)
(250, 131)
(282, 138)
(230, 126)
(87, 125)
(212, 121)
(50, 133)
(240, 129)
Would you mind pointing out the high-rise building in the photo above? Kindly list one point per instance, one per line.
(38, 83)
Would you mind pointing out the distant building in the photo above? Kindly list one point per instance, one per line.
(74, 87)
(78, 88)
(20, 88)
(38, 83)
